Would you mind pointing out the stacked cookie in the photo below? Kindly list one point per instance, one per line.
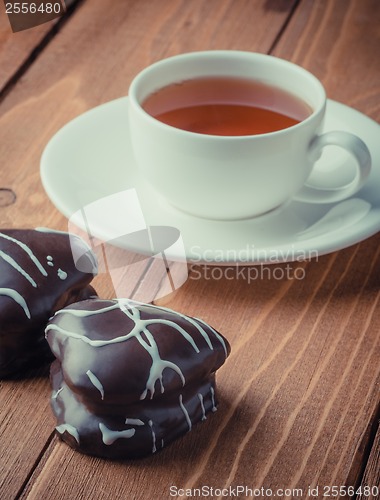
(130, 378)
(38, 277)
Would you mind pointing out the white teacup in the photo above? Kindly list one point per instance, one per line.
(237, 177)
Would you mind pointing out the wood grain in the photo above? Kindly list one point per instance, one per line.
(343, 55)
(25, 418)
(302, 381)
(304, 377)
(67, 79)
(338, 42)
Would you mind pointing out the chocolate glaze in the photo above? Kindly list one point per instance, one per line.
(130, 378)
(37, 277)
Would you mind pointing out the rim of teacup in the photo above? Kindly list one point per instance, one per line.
(149, 72)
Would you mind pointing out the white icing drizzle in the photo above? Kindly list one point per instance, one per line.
(184, 333)
(158, 364)
(48, 230)
(9, 292)
(13, 294)
(193, 321)
(96, 382)
(217, 335)
(157, 368)
(124, 306)
(201, 330)
(123, 303)
(56, 393)
(214, 408)
(150, 345)
(134, 421)
(71, 235)
(62, 274)
(128, 307)
(14, 264)
(109, 436)
(93, 343)
(185, 412)
(70, 429)
(28, 251)
(154, 449)
(200, 397)
(86, 313)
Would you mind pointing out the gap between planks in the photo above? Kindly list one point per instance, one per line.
(368, 454)
(284, 27)
(35, 465)
(39, 48)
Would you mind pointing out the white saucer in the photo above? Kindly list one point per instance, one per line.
(91, 158)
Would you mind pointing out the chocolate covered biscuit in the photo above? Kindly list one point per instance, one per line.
(130, 378)
(38, 276)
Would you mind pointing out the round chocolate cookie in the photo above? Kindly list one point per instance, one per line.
(129, 377)
(38, 276)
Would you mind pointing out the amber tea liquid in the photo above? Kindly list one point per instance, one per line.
(226, 106)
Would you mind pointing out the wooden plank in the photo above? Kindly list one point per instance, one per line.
(19, 427)
(338, 42)
(66, 80)
(294, 408)
(343, 55)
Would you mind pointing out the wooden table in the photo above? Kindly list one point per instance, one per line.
(300, 391)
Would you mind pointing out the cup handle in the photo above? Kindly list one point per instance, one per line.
(358, 150)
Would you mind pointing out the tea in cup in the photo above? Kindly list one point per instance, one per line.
(231, 135)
